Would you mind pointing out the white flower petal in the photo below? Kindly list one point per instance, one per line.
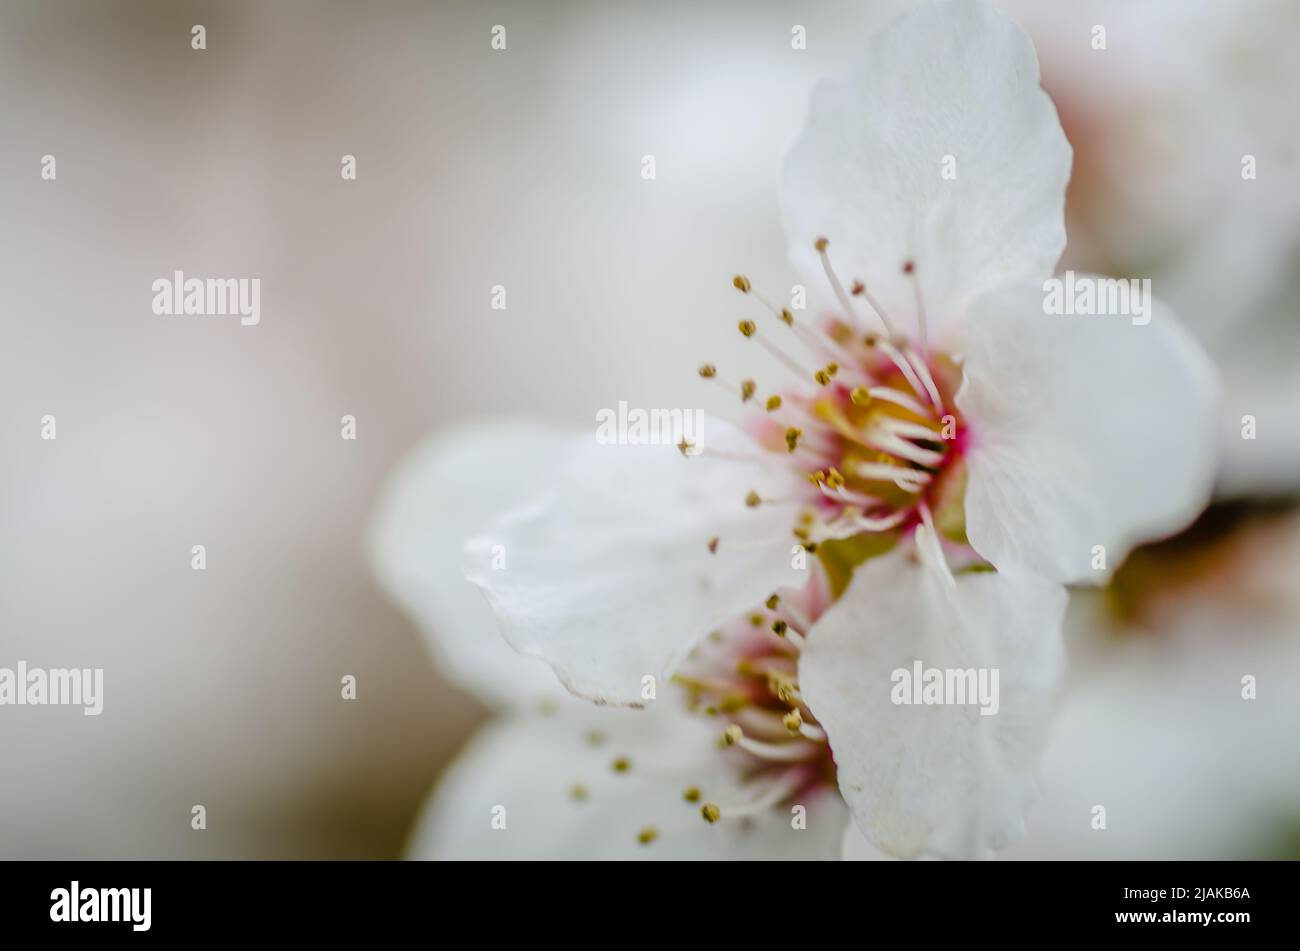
(940, 779)
(611, 580)
(441, 492)
(530, 767)
(952, 79)
(1085, 431)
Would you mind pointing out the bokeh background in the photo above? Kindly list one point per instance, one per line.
(522, 168)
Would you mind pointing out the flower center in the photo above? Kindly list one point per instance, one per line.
(872, 426)
(745, 675)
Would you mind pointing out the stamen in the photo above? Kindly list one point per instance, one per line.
(928, 521)
(909, 480)
(793, 721)
(745, 390)
(849, 310)
(923, 371)
(741, 283)
(880, 311)
(881, 438)
(814, 733)
(773, 752)
(890, 395)
(910, 430)
(788, 361)
(909, 268)
(904, 367)
(843, 495)
(847, 528)
(795, 616)
(777, 790)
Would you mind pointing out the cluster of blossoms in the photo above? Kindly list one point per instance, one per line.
(946, 460)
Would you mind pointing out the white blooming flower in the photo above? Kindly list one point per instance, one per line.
(942, 425)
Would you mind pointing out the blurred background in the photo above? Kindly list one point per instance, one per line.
(522, 168)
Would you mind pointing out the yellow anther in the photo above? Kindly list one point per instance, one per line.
(710, 812)
(577, 792)
(858, 288)
(822, 377)
(685, 447)
(753, 499)
(832, 368)
(792, 436)
(772, 602)
(817, 478)
(787, 316)
(834, 479)
(860, 396)
(732, 735)
(691, 794)
(647, 835)
(779, 628)
(756, 620)
(747, 390)
(747, 327)
(785, 690)
(820, 244)
(708, 371)
(793, 721)
(773, 403)
(740, 283)
(621, 765)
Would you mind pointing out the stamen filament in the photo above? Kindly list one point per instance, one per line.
(780, 788)
(885, 441)
(794, 752)
(923, 371)
(904, 367)
(837, 287)
(898, 398)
